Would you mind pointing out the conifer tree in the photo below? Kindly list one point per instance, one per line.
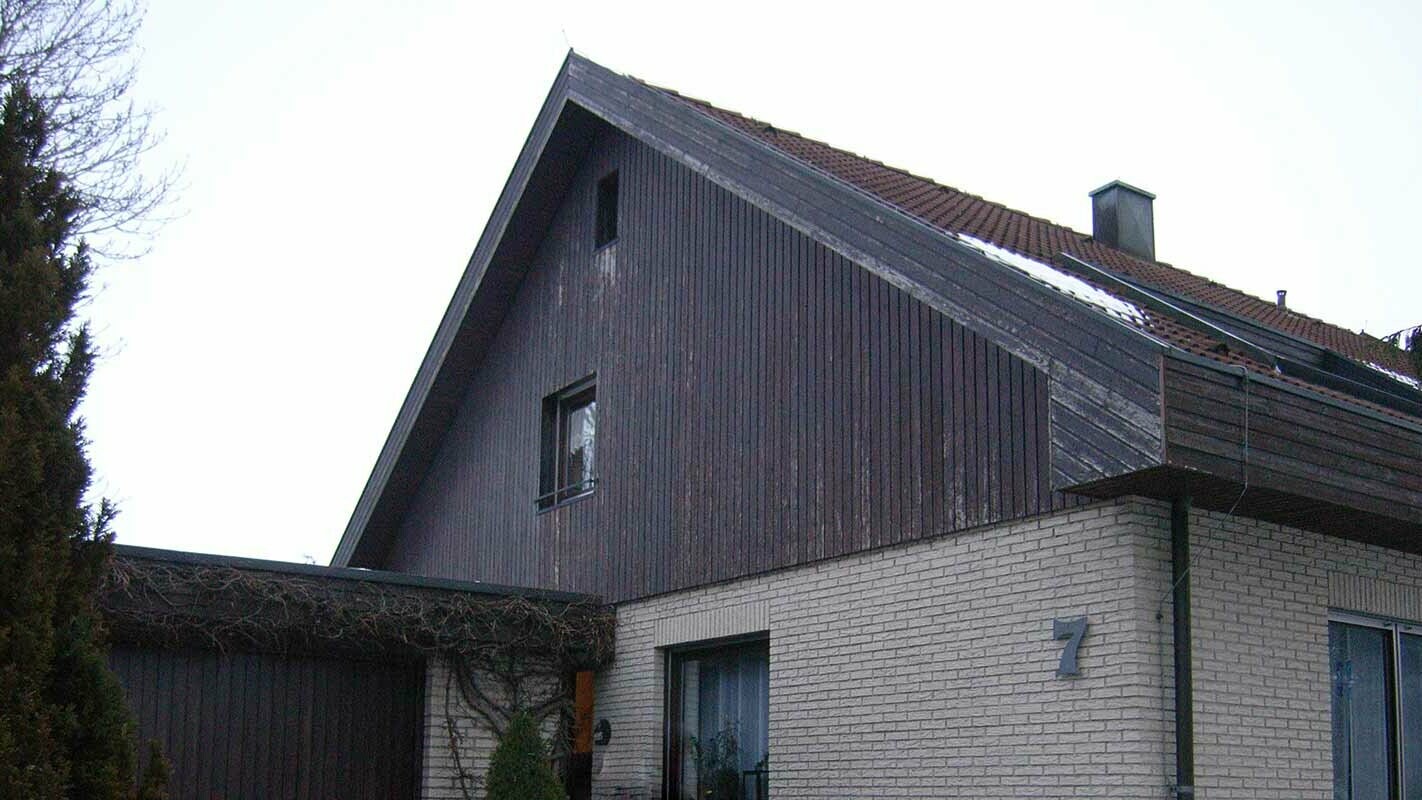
(519, 768)
(65, 731)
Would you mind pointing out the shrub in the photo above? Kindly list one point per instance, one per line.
(519, 768)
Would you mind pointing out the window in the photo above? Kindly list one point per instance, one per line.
(567, 467)
(1377, 709)
(606, 223)
(718, 722)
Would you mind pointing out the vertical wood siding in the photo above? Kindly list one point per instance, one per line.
(251, 725)
(762, 402)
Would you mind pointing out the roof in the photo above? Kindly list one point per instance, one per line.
(168, 598)
(958, 212)
(397, 580)
(1110, 316)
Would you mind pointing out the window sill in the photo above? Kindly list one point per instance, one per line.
(567, 501)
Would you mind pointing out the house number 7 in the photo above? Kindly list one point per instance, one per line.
(1073, 630)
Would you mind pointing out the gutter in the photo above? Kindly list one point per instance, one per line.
(398, 579)
(1401, 400)
(1180, 622)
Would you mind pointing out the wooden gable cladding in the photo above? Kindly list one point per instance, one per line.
(1104, 375)
(789, 368)
(762, 402)
(1348, 472)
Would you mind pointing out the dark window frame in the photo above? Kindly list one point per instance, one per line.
(605, 214)
(673, 746)
(555, 485)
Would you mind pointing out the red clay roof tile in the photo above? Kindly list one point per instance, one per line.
(959, 212)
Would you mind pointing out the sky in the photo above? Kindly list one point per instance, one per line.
(339, 160)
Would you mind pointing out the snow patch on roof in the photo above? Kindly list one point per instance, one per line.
(1397, 376)
(1061, 281)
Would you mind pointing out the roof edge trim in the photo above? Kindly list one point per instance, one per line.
(347, 573)
(1291, 388)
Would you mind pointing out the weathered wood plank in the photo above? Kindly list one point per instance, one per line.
(248, 725)
(1294, 445)
(765, 402)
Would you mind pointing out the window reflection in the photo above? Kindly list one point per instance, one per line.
(581, 431)
(1377, 710)
(722, 739)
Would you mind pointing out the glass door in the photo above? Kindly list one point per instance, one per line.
(1377, 708)
(718, 722)
(1409, 689)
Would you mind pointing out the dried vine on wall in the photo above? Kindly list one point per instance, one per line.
(506, 652)
(225, 607)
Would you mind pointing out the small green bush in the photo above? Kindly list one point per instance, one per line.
(519, 768)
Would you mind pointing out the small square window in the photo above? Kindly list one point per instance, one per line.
(606, 222)
(569, 444)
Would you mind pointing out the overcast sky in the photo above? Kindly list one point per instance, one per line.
(341, 158)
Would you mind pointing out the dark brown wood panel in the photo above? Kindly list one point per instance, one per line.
(1293, 444)
(762, 402)
(256, 725)
(1105, 377)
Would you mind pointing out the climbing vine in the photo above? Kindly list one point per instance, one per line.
(221, 607)
(505, 651)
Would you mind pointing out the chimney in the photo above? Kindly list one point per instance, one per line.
(1121, 217)
(1281, 294)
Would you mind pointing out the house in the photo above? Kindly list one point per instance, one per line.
(899, 492)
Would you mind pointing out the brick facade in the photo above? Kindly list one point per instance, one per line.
(457, 743)
(929, 669)
(1262, 594)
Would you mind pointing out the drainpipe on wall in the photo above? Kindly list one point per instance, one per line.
(1184, 694)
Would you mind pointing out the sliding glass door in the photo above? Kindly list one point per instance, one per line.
(718, 722)
(1377, 709)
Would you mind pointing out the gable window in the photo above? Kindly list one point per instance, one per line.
(567, 468)
(606, 222)
(718, 722)
(1377, 708)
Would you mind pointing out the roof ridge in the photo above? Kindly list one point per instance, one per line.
(1364, 341)
(901, 170)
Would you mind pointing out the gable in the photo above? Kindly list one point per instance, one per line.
(1103, 376)
(762, 402)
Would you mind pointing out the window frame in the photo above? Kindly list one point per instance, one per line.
(673, 747)
(606, 210)
(554, 488)
(1395, 629)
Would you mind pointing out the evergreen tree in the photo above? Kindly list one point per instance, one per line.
(65, 731)
(519, 768)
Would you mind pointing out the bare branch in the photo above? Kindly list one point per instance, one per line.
(78, 58)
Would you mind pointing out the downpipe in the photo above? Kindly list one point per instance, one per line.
(1184, 681)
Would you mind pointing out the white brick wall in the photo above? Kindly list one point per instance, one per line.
(929, 669)
(457, 743)
(1261, 599)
